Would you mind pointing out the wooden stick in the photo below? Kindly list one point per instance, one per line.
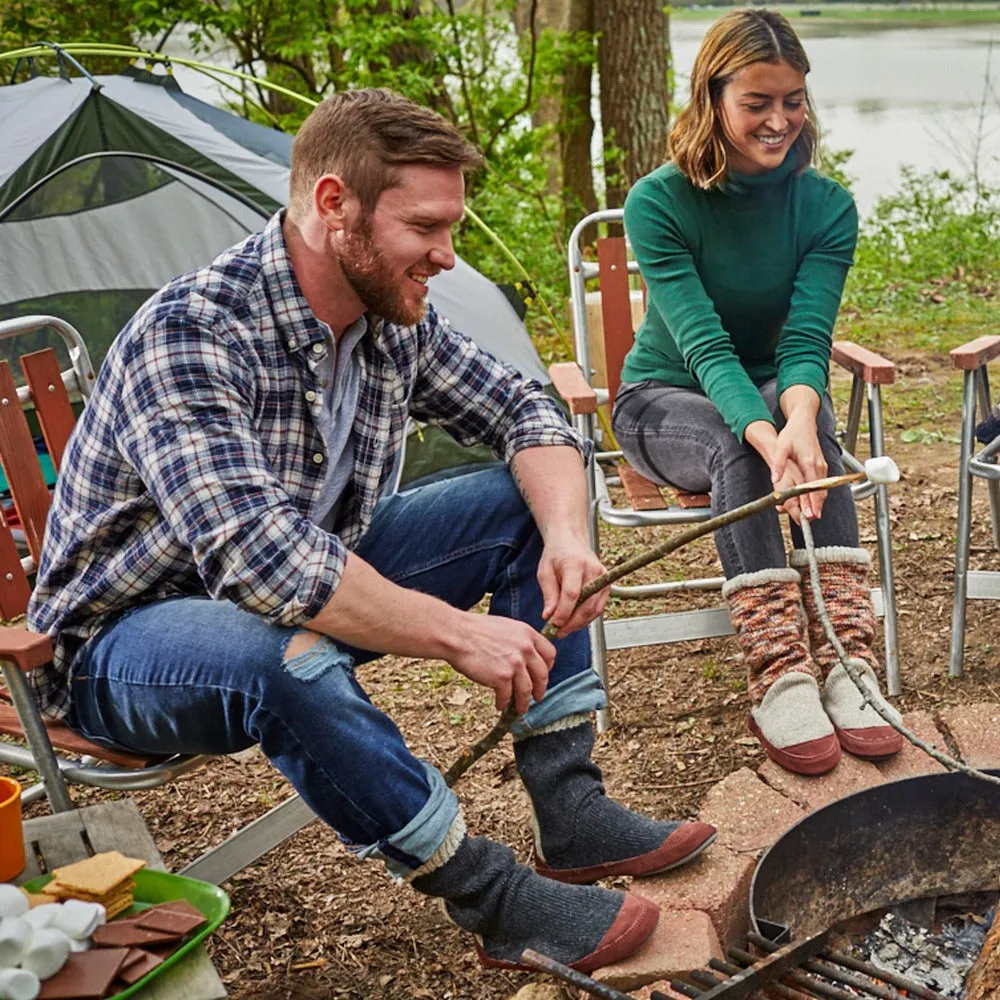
(471, 754)
(983, 980)
(775, 499)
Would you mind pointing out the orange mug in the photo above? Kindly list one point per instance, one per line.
(11, 832)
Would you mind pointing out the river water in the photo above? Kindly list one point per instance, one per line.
(925, 97)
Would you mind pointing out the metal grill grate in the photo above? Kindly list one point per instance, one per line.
(802, 970)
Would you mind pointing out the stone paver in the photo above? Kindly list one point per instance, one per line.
(683, 940)
(911, 761)
(749, 815)
(849, 776)
(976, 732)
(717, 883)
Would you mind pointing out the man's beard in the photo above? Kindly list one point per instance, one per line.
(369, 273)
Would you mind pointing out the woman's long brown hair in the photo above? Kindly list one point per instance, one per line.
(736, 40)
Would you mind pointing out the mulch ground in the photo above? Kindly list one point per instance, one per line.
(310, 921)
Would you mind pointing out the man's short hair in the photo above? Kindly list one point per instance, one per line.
(364, 136)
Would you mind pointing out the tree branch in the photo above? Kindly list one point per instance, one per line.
(532, 52)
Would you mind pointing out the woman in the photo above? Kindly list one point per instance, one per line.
(744, 249)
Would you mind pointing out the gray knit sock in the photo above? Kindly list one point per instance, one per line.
(488, 893)
(577, 825)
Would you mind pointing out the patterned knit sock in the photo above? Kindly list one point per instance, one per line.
(766, 611)
(511, 908)
(843, 578)
(576, 824)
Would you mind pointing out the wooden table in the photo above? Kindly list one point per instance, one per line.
(116, 826)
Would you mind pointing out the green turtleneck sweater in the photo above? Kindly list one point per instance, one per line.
(743, 282)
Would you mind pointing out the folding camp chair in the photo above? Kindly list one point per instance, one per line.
(47, 394)
(585, 388)
(971, 359)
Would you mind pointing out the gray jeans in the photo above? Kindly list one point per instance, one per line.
(677, 437)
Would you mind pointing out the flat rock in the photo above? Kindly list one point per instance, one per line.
(976, 732)
(717, 883)
(749, 815)
(912, 761)
(683, 940)
(811, 792)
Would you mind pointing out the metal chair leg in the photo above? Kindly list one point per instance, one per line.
(883, 533)
(963, 540)
(38, 739)
(599, 662)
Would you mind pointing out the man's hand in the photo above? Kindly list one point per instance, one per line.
(507, 656)
(567, 564)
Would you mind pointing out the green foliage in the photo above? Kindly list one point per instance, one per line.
(935, 241)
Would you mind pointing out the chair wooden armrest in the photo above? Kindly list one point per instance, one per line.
(975, 353)
(573, 388)
(27, 649)
(862, 363)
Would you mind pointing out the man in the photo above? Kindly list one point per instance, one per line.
(220, 554)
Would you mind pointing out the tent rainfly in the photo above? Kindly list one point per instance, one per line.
(112, 185)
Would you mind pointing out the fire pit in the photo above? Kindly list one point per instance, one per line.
(842, 884)
(933, 835)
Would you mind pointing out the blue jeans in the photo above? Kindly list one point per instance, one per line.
(194, 675)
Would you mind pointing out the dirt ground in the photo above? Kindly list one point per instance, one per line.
(310, 921)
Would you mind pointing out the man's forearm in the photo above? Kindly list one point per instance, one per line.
(371, 612)
(553, 482)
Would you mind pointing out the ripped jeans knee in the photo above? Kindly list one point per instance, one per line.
(309, 655)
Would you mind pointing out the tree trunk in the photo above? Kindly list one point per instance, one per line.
(538, 16)
(576, 123)
(634, 62)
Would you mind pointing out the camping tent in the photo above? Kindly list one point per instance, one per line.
(112, 185)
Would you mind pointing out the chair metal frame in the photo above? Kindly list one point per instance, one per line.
(21, 650)
(870, 372)
(972, 360)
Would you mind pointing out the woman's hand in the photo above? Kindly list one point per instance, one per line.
(798, 458)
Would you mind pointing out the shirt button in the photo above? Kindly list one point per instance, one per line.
(317, 348)
(318, 458)
(310, 396)
(292, 343)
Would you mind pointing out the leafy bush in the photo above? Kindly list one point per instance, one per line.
(937, 236)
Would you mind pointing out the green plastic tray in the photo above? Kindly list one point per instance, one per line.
(160, 887)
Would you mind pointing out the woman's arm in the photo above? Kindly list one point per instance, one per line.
(663, 251)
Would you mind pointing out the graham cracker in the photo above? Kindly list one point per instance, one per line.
(100, 874)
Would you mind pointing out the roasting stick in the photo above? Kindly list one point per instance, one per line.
(855, 670)
(876, 469)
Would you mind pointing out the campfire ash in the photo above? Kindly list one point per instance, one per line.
(936, 946)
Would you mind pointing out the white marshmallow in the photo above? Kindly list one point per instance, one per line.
(13, 902)
(78, 919)
(881, 470)
(15, 936)
(19, 984)
(81, 944)
(47, 953)
(41, 916)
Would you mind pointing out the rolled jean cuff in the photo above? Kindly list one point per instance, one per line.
(577, 695)
(427, 841)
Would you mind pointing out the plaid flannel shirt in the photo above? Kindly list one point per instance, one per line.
(197, 460)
